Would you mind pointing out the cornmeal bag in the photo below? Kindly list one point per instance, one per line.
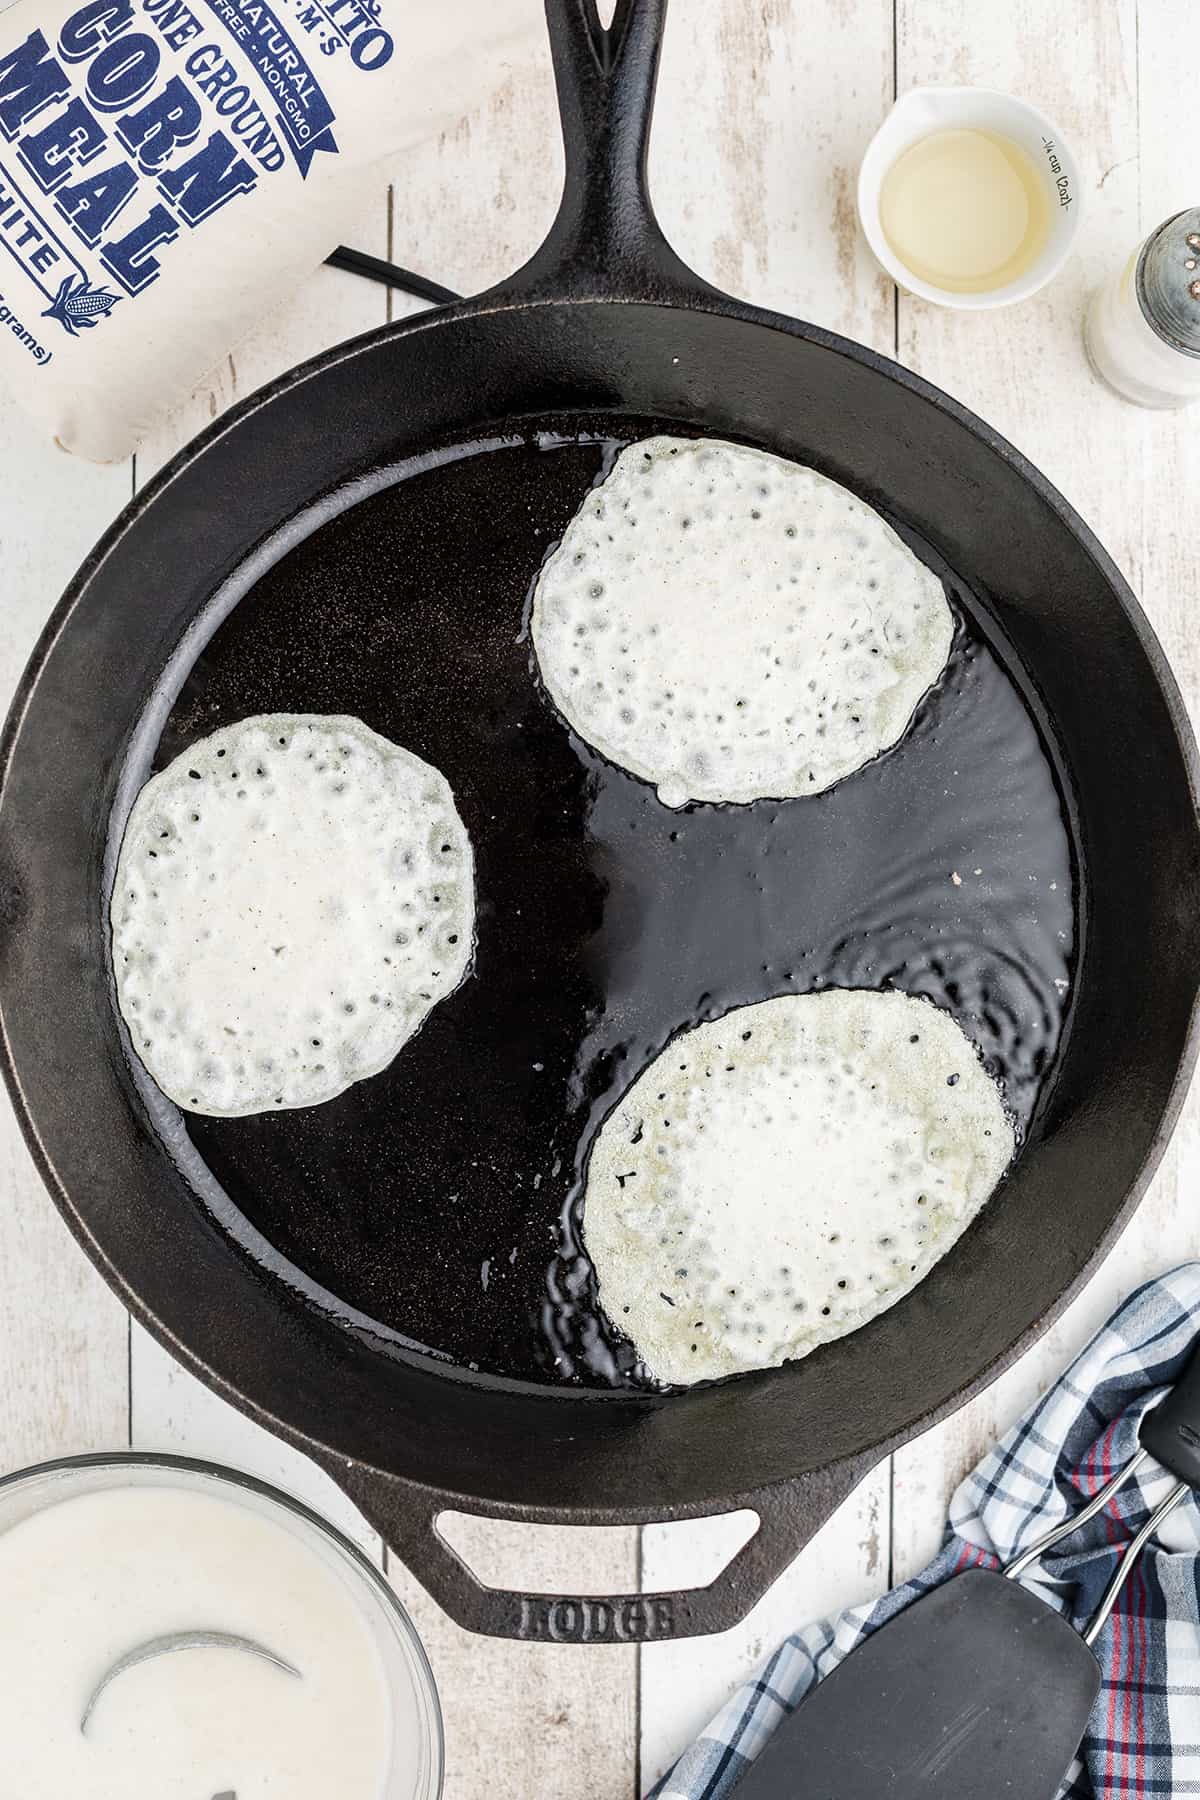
(169, 169)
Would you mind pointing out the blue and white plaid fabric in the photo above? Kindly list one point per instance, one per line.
(1143, 1738)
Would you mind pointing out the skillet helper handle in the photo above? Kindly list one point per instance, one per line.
(605, 242)
(406, 1515)
(1171, 1433)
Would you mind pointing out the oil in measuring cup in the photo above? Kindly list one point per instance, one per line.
(968, 197)
(965, 210)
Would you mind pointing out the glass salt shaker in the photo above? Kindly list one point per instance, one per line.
(1142, 329)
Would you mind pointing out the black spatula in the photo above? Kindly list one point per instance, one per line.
(980, 1691)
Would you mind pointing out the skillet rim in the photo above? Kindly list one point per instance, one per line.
(501, 301)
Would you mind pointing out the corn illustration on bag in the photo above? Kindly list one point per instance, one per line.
(170, 168)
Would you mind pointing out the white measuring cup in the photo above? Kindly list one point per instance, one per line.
(925, 110)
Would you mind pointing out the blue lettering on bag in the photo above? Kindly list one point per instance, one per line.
(177, 24)
(32, 242)
(207, 180)
(95, 23)
(130, 258)
(123, 72)
(90, 206)
(74, 138)
(30, 81)
(306, 118)
(172, 118)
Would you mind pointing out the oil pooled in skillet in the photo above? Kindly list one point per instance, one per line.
(440, 1199)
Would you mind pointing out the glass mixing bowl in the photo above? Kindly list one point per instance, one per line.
(416, 1754)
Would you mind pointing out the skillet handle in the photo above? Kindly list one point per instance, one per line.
(406, 1515)
(605, 242)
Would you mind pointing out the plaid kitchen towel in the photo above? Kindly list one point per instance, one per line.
(1143, 1738)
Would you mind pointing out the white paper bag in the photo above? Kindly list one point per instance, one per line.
(170, 169)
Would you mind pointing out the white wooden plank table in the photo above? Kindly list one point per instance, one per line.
(763, 115)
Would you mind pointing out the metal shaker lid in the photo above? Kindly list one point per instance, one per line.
(1168, 281)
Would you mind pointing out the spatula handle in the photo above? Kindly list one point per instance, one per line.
(1171, 1433)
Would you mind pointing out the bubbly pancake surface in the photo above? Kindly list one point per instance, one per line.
(777, 1177)
(731, 626)
(293, 895)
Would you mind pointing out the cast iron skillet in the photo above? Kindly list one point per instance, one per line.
(604, 320)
